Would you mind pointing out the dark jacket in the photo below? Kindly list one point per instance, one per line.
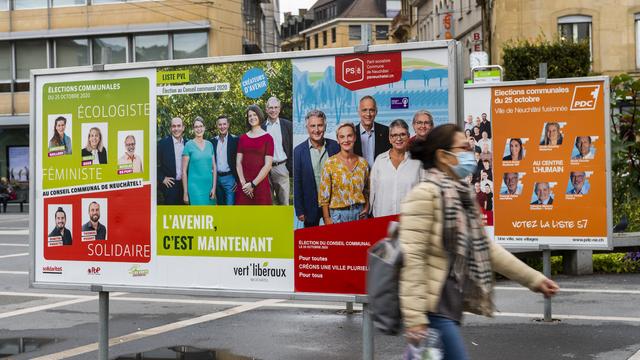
(166, 158)
(537, 202)
(102, 155)
(382, 143)
(66, 235)
(286, 127)
(305, 190)
(232, 153)
(101, 231)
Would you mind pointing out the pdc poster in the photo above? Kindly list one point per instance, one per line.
(550, 159)
(542, 162)
(214, 175)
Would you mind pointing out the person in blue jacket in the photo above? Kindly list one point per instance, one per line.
(308, 161)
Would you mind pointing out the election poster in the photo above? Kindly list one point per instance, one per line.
(366, 108)
(93, 189)
(223, 173)
(550, 165)
(477, 130)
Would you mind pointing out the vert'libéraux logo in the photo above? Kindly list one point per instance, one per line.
(259, 272)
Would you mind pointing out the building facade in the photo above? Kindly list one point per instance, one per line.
(339, 23)
(447, 19)
(612, 28)
(36, 34)
(291, 28)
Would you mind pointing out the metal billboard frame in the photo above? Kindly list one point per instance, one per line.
(455, 108)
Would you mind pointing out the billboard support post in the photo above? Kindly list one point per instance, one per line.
(103, 320)
(546, 269)
(367, 333)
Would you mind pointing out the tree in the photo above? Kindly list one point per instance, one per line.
(231, 103)
(625, 153)
(564, 59)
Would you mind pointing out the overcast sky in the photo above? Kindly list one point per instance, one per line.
(293, 6)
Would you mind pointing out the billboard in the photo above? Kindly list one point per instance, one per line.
(200, 175)
(550, 162)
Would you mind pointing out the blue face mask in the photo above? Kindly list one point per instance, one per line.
(467, 163)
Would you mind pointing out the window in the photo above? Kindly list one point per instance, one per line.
(638, 41)
(315, 40)
(72, 52)
(29, 4)
(382, 32)
(109, 50)
(354, 32)
(333, 35)
(106, 1)
(324, 38)
(4, 5)
(30, 54)
(575, 28)
(5, 67)
(56, 3)
(152, 47)
(5, 61)
(190, 45)
(308, 43)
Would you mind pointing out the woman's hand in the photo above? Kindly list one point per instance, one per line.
(364, 213)
(185, 198)
(247, 189)
(212, 194)
(415, 334)
(548, 288)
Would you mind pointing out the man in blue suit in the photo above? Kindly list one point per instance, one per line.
(308, 161)
(170, 164)
(225, 148)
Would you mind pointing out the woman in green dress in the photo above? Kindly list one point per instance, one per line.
(198, 168)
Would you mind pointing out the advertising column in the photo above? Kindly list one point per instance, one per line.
(94, 195)
(550, 165)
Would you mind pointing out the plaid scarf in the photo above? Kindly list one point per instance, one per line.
(466, 242)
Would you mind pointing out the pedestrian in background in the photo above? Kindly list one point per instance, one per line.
(448, 259)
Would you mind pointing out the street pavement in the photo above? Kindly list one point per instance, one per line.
(596, 317)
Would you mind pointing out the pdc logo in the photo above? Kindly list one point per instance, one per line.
(585, 97)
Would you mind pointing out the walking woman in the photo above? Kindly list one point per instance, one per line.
(344, 185)
(59, 138)
(198, 168)
(254, 161)
(448, 259)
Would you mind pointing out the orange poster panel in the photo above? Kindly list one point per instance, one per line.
(550, 173)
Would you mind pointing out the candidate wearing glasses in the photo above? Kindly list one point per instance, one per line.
(394, 172)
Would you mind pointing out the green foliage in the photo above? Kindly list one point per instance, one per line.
(614, 263)
(617, 263)
(625, 152)
(564, 59)
(536, 263)
(232, 103)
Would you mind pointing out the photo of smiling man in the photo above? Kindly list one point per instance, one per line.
(578, 183)
(542, 194)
